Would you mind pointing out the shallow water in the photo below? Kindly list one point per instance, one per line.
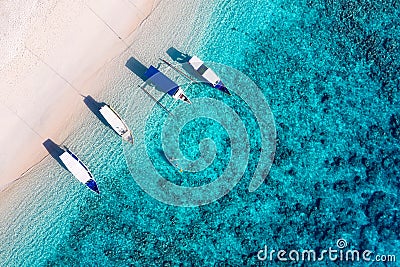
(328, 70)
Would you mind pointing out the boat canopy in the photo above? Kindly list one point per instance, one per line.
(196, 62)
(204, 71)
(76, 167)
(113, 119)
(162, 82)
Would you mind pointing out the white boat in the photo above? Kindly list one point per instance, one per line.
(208, 74)
(79, 170)
(115, 121)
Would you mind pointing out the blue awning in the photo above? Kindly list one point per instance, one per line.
(162, 82)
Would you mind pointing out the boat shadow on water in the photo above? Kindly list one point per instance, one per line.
(137, 67)
(94, 107)
(55, 151)
(177, 55)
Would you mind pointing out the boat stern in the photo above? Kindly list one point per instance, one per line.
(127, 136)
(180, 94)
(93, 186)
(221, 86)
(186, 100)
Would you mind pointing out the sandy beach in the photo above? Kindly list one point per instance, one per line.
(73, 52)
(53, 49)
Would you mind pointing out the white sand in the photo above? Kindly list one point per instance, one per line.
(51, 51)
(36, 211)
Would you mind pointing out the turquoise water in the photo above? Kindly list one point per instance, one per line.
(329, 71)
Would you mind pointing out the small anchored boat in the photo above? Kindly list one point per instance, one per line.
(165, 84)
(208, 74)
(116, 122)
(78, 169)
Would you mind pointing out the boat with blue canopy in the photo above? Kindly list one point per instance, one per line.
(165, 84)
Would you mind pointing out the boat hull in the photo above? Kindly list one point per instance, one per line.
(116, 123)
(79, 170)
(208, 74)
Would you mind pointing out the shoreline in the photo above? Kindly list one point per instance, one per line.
(44, 81)
(39, 210)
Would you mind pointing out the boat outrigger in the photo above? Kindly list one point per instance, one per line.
(208, 74)
(165, 84)
(78, 169)
(116, 122)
